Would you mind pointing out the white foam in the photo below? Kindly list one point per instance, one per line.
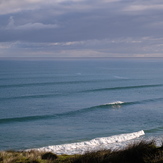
(115, 103)
(94, 144)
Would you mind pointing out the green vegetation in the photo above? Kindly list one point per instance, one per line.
(141, 152)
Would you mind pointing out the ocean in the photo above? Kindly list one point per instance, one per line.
(62, 101)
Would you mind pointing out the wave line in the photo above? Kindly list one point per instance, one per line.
(29, 96)
(54, 116)
(127, 87)
(57, 82)
(112, 105)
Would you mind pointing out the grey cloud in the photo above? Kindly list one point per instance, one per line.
(106, 27)
(29, 26)
(145, 46)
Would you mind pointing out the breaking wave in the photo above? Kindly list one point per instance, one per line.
(94, 144)
(58, 115)
(111, 105)
(115, 103)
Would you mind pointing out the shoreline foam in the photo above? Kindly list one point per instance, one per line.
(92, 145)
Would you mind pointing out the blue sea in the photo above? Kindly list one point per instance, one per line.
(50, 102)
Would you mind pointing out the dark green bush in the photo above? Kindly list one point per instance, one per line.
(49, 156)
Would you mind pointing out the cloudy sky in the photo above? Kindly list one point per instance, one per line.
(81, 28)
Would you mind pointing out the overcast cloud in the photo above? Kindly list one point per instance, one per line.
(81, 28)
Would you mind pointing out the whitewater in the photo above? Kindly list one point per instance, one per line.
(112, 142)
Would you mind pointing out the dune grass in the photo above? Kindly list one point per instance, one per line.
(140, 152)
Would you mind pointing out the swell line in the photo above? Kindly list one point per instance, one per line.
(67, 93)
(54, 116)
(56, 83)
(30, 96)
(49, 83)
(42, 117)
(35, 84)
(75, 112)
(157, 129)
(126, 87)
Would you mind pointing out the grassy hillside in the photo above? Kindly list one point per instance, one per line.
(142, 152)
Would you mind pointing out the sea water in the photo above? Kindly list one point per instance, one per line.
(67, 101)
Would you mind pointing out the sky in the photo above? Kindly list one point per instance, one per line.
(81, 28)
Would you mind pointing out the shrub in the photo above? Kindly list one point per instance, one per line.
(49, 156)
